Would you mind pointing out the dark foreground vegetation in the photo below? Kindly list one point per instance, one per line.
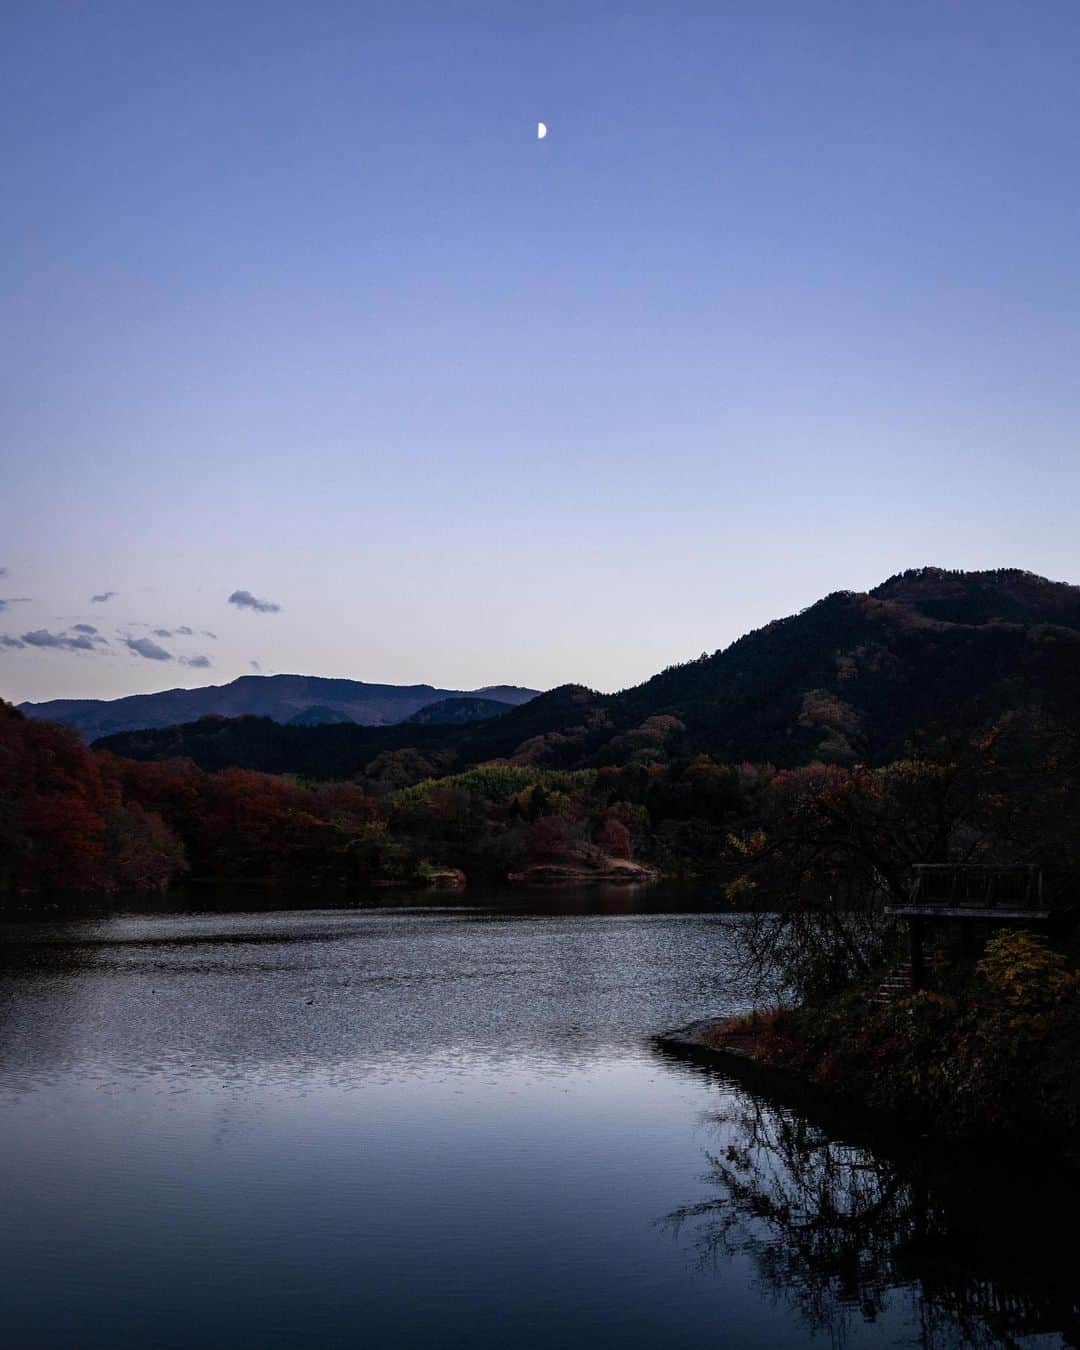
(988, 1053)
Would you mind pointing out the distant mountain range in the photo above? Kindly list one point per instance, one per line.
(298, 700)
(859, 676)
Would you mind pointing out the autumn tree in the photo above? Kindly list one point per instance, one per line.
(549, 838)
(613, 838)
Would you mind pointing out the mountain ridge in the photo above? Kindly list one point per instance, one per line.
(281, 697)
(859, 676)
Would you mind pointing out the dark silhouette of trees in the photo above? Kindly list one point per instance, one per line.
(842, 1232)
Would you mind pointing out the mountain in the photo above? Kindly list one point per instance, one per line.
(390, 754)
(858, 675)
(319, 716)
(280, 697)
(855, 677)
(457, 711)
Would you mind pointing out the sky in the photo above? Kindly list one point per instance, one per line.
(294, 304)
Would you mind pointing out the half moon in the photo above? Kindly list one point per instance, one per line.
(541, 130)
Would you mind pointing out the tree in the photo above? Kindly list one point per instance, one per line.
(613, 838)
(141, 852)
(548, 838)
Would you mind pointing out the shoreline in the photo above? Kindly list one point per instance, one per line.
(748, 1045)
(716, 1034)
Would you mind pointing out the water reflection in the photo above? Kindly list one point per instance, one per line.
(848, 1235)
(225, 1129)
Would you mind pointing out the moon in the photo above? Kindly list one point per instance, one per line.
(541, 130)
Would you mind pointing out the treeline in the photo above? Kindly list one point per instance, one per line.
(76, 821)
(72, 821)
(845, 836)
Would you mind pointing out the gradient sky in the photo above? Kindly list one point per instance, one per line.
(294, 302)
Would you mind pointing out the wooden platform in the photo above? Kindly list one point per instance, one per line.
(1008, 894)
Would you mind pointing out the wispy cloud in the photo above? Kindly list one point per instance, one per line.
(83, 628)
(105, 595)
(148, 649)
(6, 641)
(184, 631)
(209, 635)
(14, 600)
(245, 600)
(41, 637)
(254, 665)
(163, 632)
(196, 662)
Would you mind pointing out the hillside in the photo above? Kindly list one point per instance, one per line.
(457, 711)
(320, 716)
(284, 698)
(857, 675)
(854, 678)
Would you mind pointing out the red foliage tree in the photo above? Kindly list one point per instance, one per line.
(613, 838)
(52, 808)
(548, 838)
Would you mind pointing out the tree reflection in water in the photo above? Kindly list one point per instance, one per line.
(843, 1233)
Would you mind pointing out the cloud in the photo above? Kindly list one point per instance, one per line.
(105, 595)
(14, 600)
(245, 600)
(254, 665)
(41, 637)
(210, 635)
(182, 631)
(6, 641)
(148, 649)
(198, 662)
(83, 628)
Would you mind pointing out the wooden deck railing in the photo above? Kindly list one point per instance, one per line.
(965, 886)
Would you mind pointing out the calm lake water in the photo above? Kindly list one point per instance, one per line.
(448, 1127)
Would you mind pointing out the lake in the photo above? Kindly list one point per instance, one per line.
(448, 1125)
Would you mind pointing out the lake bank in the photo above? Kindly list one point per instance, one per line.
(991, 1062)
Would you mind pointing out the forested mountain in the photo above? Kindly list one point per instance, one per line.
(284, 698)
(320, 716)
(457, 711)
(857, 677)
(392, 756)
